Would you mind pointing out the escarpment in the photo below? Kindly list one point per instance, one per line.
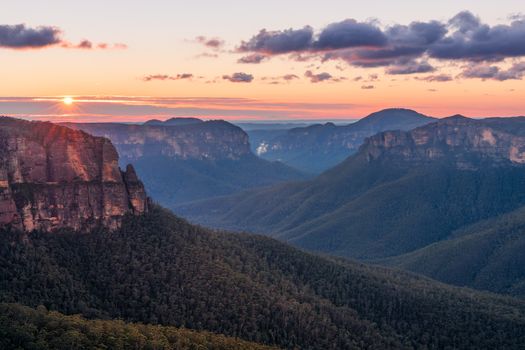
(54, 177)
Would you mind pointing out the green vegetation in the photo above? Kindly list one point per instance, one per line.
(487, 255)
(158, 269)
(25, 328)
(369, 210)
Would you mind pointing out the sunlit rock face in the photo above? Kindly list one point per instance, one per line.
(54, 177)
(469, 143)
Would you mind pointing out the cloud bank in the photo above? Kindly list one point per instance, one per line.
(401, 49)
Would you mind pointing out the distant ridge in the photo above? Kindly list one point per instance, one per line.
(174, 121)
(318, 147)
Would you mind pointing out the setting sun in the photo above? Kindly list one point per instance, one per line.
(68, 100)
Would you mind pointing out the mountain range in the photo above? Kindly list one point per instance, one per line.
(186, 159)
(316, 148)
(155, 268)
(400, 193)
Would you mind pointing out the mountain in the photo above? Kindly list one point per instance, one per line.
(53, 177)
(26, 328)
(159, 269)
(402, 191)
(487, 255)
(174, 121)
(192, 161)
(316, 148)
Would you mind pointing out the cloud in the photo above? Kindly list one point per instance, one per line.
(252, 59)
(212, 43)
(349, 33)
(475, 41)
(485, 71)
(167, 77)
(367, 87)
(282, 78)
(320, 77)
(21, 37)
(436, 78)
(316, 78)
(278, 42)
(289, 77)
(239, 77)
(464, 37)
(410, 67)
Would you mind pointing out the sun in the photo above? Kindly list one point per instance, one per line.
(68, 100)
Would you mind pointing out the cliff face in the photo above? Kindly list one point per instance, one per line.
(467, 143)
(212, 140)
(53, 177)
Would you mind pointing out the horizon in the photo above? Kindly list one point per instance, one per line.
(344, 62)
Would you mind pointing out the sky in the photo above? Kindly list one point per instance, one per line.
(260, 60)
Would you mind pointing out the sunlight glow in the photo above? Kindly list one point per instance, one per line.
(68, 100)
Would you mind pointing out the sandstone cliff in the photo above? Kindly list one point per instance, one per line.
(211, 140)
(53, 177)
(468, 143)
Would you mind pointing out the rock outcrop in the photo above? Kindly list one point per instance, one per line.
(468, 143)
(54, 177)
(211, 140)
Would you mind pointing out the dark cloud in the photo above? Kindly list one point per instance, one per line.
(167, 77)
(485, 71)
(239, 77)
(279, 42)
(21, 37)
(410, 67)
(213, 43)
(316, 78)
(320, 77)
(364, 44)
(367, 87)
(254, 58)
(436, 78)
(349, 33)
(475, 41)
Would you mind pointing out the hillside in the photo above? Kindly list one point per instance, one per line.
(160, 269)
(487, 255)
(190, 161)
(25, 328)
(316, 148)
(400, 192)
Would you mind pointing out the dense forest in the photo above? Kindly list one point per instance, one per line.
(158, 269)
(487, 255)
(39, 329)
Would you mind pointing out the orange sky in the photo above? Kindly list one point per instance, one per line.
(158, 45)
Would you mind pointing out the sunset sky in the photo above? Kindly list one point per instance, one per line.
(296, 59)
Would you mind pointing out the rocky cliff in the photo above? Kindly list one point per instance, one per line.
(210, 140)
(53, 177)
(469, 143)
